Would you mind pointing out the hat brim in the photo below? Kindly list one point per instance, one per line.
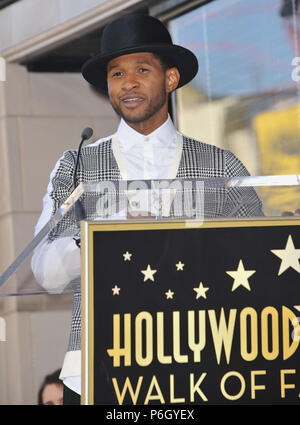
(94, 70)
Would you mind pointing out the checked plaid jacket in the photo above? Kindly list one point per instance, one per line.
(198, 161)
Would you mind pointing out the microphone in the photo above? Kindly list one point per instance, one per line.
(85, 135)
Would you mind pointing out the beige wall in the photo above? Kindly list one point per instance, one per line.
(22, 36)
(41, 115)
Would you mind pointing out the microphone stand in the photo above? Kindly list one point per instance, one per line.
(79, 209)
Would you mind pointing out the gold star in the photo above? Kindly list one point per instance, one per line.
(200, 291)
(169, 294)
(127, 256)
(179, 266)
(148, 273)
(116, 290)
(289, 256)
(241, 276)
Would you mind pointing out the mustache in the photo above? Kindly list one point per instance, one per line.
(131, 95)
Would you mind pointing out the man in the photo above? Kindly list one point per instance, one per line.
(139, 67)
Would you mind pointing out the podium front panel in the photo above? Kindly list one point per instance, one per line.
(180, 313)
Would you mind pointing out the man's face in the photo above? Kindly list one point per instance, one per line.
(138, 88)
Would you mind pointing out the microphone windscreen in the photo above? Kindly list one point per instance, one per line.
(87, 133)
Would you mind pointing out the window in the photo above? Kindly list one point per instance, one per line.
(246, 95)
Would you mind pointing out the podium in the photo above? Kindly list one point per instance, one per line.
(171, 315)
(181, 304)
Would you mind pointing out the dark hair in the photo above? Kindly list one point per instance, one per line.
(52, 378)
(165, 62)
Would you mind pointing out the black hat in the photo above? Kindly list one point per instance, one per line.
(138, 33)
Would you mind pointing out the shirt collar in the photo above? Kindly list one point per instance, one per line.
(128, 137)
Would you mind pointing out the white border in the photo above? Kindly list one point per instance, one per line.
(86, 318)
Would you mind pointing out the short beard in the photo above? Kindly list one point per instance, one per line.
(155, 105)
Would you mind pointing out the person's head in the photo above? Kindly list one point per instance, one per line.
(138, 88)
(139, 58)
(51, 390)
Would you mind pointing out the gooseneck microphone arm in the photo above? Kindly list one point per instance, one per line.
(85, 135)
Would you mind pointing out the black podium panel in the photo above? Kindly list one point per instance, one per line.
(205, 315)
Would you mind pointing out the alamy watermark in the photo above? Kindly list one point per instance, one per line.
(162, 199)
(2, 69)
(296, 330)
(296, 71)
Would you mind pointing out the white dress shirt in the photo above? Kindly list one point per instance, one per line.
(139, 157)
(147, 157)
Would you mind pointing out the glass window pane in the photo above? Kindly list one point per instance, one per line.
(245, 97)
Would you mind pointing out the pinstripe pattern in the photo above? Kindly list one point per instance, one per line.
(198, 160)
